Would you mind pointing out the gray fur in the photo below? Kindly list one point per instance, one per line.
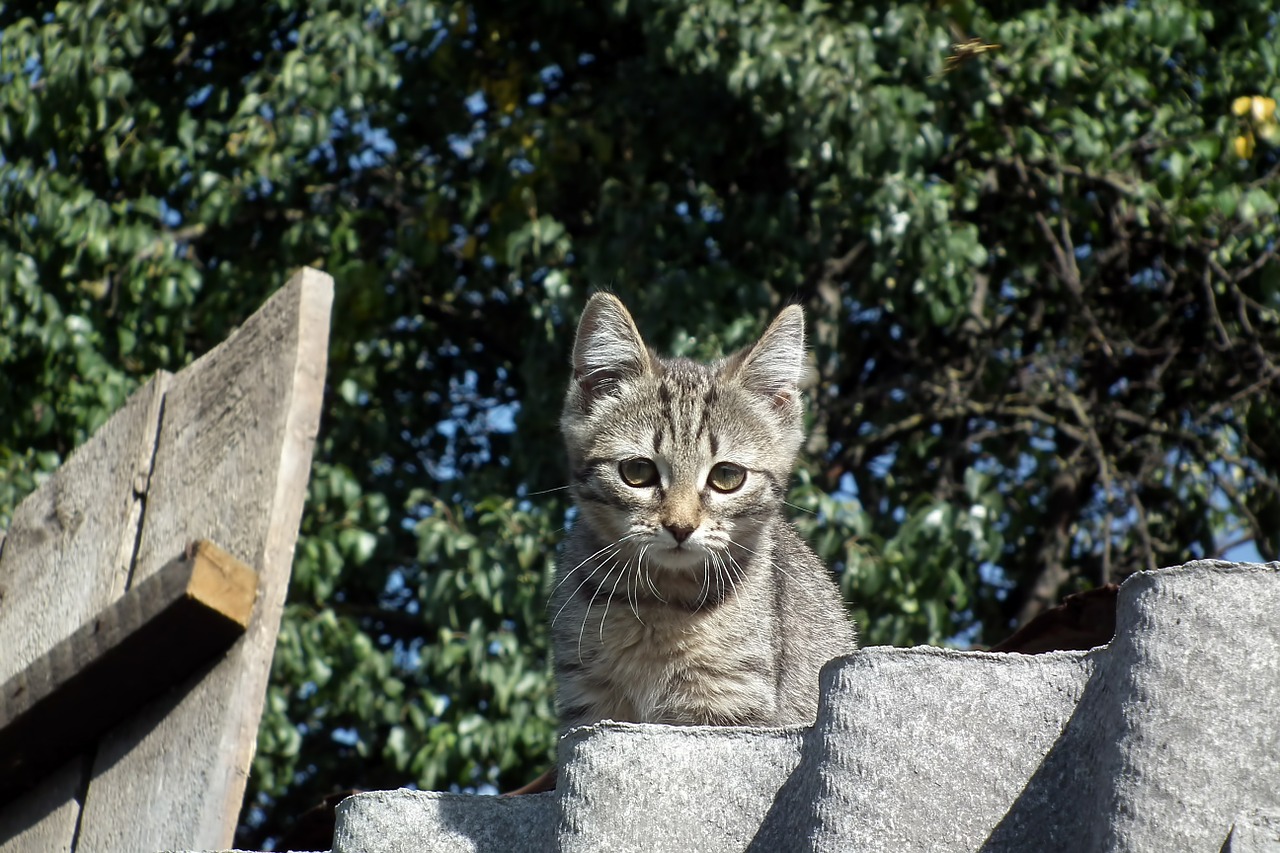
(731, 625)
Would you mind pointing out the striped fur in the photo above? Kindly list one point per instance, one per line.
(676, 601)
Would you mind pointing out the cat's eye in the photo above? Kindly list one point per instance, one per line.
(638, 472)
(726, 477)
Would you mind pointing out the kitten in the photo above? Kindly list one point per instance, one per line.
(683, 595)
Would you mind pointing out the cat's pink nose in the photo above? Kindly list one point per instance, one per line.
(680, 532)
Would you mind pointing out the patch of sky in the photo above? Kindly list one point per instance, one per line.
(408, 656)
(462, 146)
(259, 189)
(966, 638)
(199, 96)
(1244, 552)
(169, 217)
(437, 39)
(376, 144)
(870, 315)
(408, 324)
(345, 735)
(1027, 463)
(1148, 278)
(846, 489)
(713, 249)
(33, 68)
(880, 465)
(551, 75)
(995, 577)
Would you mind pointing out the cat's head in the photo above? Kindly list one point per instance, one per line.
(682, 457)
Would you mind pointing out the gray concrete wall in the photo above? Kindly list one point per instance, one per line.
(1167, 739)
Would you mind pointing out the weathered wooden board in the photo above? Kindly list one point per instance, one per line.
(45, 818)
(67, 554)
(135, 650)
(232, 462)
(68, 550)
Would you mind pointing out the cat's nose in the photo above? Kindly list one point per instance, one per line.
(680, 532)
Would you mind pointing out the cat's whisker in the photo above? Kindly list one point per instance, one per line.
(721, 573)
(776, 565)
(634, 601)
(644, 549)
(741, 572)
(586, 614)
(769, 560)
(652, 588)
(705, 589)
(801, 508)
(548, 491)
(648, 578)
(585, 581)
(616, 544)
(622, 574)
(734, 562)
(730, 576)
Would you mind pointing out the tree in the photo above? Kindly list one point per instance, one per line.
(1036, 246)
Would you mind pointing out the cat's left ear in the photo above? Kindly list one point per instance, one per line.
(608, 349)
(775, 364)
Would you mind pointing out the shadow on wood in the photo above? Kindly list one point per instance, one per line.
(220, 451)
(155, 636)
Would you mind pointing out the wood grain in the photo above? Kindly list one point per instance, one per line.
(68, 550)
(45, 817)
(136, 649)
(232, 463)
(67, 554)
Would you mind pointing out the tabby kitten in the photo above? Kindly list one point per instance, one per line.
(684, 596)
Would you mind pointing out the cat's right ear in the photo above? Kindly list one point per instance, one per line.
(608, 349)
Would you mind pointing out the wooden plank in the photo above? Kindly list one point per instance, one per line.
(231, 465)
(45, 818)
(67, 554)
(68, 551)
(156, 635)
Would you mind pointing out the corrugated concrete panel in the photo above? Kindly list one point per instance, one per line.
(1166, 739)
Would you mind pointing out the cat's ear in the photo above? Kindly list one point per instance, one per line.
(775, 364)
(608, 348)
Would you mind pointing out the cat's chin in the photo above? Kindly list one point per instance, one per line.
(681, 559)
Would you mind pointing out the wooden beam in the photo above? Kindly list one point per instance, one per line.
(67, 556)
(136, 649)
(231, 465)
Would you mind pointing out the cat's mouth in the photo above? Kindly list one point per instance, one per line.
(681, 555)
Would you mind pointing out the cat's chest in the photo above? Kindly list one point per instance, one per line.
(670, 665)
(666, 638)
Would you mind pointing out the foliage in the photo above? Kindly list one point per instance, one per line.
(1038, 261)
